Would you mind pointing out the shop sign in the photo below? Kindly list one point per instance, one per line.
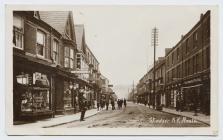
(81, 72)
(193, 81)
(40, 79)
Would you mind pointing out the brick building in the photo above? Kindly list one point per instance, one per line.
(183, 76)
(45, 65)
(188, 69)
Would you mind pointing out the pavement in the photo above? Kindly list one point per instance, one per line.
(58, 120)
(200, 117)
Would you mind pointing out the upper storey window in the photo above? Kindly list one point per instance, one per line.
(41, 43)
(18, 32)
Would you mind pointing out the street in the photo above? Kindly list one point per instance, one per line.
(134, 115)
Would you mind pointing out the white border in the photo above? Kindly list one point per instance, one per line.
(213, 130)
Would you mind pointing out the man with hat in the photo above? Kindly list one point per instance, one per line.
(82, 102)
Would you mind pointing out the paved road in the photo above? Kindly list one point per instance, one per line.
(134, 116)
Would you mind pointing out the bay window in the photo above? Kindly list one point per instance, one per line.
(69, 58)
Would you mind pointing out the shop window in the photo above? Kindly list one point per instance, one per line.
(55, 51)
(35, 101)
(67, 96)
(18, 32)
(35, 98)
(41, 43)
(40, 100)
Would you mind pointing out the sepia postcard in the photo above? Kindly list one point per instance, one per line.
(111, 69)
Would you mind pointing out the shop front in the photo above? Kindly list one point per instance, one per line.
(66, 90)
(32, 97)
(192, 96)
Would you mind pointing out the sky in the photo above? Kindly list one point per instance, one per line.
(120, 37)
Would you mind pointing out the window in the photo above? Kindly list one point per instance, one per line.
(41, 43)
(195, 38)
(178, 71)
(187, 46)
(194, 65)
(172, 57)
(178, 54)
(78, 61)
(208, 57)
(71, 58)
(168, 61)
(197, 62)
(18, 32)
(55, 51)
(66, 55)
(189, 67)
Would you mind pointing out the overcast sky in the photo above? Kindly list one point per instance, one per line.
(120, 36)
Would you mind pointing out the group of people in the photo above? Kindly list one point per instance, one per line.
(100, 105)
(120, 103)
(103, 103)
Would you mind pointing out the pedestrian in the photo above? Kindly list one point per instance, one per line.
(82, 103)
(113, 104)
(121, 103)
(98, 105)
(125, 102)
(118, 102)
(107, 101)
(107, 104)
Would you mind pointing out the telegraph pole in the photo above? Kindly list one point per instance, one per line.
(154, 44)
(133, 92)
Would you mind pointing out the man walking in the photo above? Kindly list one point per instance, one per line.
(107, 101)
(82, 103)
(125, 102)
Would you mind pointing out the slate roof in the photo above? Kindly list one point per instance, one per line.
(56, 19)
(79, 32)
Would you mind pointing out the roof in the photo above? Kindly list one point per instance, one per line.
(91, 53)
(79, 32)
(56, 19)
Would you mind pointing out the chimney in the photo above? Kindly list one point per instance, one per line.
(182, 36)
(167, 50)
(201, 16)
